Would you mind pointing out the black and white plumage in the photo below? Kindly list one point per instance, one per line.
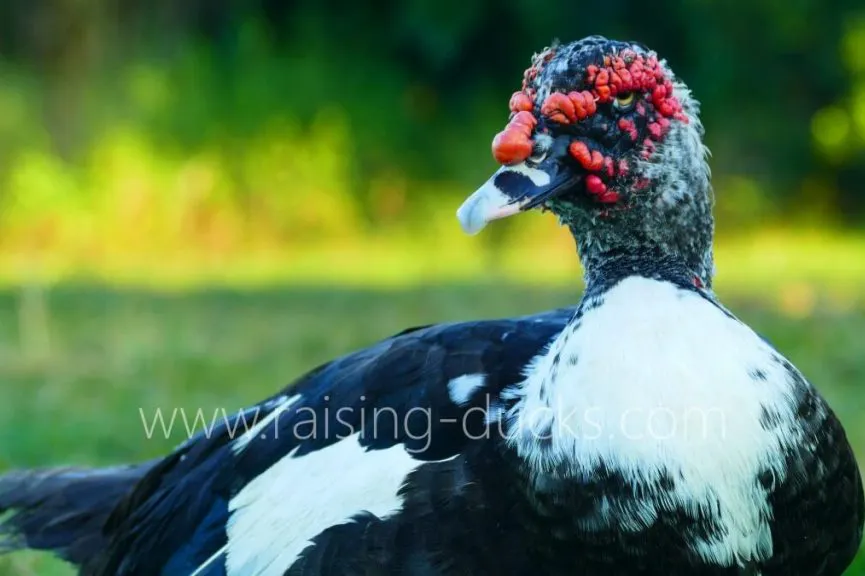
(645, 431)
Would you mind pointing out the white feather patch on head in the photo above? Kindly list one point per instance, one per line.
(681, 153)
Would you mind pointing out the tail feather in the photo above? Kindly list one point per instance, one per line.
(62, 510)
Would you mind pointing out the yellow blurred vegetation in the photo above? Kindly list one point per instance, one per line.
(133, 212)
(283, 195)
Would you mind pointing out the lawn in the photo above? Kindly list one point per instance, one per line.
(80, 365)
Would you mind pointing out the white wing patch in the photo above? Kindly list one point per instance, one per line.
(276, 515)
(282, 403)
(462, 388)
(657, 380)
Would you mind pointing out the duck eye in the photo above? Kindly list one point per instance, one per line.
(538, 155)
(624, 100)
(542, 144)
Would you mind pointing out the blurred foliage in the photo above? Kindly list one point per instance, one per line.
(228, 127)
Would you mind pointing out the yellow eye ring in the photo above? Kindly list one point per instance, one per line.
(624, 100)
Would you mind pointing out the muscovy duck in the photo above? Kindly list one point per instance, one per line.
(646, 431)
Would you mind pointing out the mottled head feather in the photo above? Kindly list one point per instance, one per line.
(637, 136)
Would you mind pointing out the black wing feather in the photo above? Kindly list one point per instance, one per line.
(175, 516)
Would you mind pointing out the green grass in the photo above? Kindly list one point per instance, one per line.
(77, 364)
(534, 253)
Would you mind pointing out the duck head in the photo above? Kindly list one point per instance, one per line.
(605, 136)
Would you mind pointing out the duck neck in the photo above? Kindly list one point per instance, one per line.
(603, 269)
(663, 240)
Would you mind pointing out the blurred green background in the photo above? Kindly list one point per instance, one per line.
(200, 200)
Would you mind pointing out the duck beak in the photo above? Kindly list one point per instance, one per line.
(514, 189)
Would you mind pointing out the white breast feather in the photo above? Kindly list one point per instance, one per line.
(657, 379)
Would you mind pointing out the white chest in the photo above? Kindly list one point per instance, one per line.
(658, 380)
